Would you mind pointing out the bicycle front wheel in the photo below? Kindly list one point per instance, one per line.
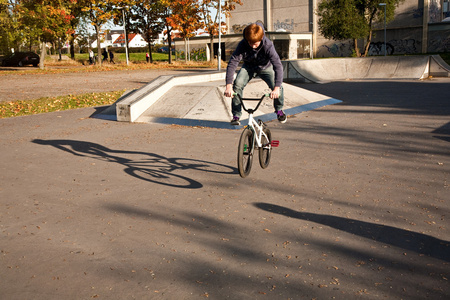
(245, 153)
(266, 150)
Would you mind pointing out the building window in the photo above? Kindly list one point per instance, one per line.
(303, 48)
(445, 9)
(282, 48)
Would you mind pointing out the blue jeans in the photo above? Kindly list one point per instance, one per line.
(243, 77)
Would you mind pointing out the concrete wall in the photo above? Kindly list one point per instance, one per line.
(292, 16)
(404, 34)
(250, 12)
(407, 14)
(439, 37)
(289, 46)
(277, 15)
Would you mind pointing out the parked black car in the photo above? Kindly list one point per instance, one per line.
(165, 50)
(21, 59)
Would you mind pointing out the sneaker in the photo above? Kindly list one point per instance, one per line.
(235, 121)
(281, 116)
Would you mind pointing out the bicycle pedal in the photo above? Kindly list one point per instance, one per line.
(275, 143)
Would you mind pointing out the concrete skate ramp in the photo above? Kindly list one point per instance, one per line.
(369, 68)
(203, 104)
(197, 100)
(438, 67)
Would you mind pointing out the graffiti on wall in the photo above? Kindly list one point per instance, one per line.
(344, 49)
(417, 13)
(408, 46)
(439, 44)
(378, 48)
(239, 28)
(287, 25)
(434, 10)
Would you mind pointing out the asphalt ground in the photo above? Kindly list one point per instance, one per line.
(354, 205)
(22, 86)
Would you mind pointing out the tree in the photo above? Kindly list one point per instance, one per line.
(211, 22)
(9, 29)
(99, 13)
(167, 13)
(353, 19)
(148, 15)
(46, 20)
(185, 18)
(78, 14)
(82, 32)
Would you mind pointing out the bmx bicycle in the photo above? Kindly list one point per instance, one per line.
(255, 136)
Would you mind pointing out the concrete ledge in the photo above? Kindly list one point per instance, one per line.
(368, 68)
(130, 108)
(198, 100)
(244, 122)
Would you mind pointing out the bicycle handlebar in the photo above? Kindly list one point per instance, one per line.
(254, 99)
(249, 110)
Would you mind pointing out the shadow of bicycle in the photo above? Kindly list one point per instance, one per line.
(150, 167)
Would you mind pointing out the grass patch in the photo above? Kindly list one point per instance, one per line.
(446, 57)
(78, 65)
(49, 104)
(121, 57)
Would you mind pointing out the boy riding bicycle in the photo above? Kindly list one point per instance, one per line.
(260, 59)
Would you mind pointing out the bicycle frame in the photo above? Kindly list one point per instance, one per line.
(258, 132)
(257, 127)
(255, 135)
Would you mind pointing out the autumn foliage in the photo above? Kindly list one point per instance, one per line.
(31, 22)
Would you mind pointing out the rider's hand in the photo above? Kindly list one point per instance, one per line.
(229, 90)
(275, 94)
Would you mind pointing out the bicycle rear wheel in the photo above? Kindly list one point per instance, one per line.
(266, 150)
(245, 153)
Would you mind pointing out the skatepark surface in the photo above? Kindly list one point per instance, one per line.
(354, 203)
(197, 99)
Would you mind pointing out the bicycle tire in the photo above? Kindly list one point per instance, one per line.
(265, 151)
(245, 153)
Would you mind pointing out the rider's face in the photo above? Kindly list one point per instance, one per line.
(255, 44)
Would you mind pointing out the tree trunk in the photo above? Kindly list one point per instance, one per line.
(355, 42)
(369, 40)
(99, 47)
(59, 49)
(42, 56)
(150, 52)
(185, 50)
(211, 48)
(72, 47)
(169, 38)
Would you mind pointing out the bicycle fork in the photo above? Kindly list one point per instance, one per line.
(263, 137)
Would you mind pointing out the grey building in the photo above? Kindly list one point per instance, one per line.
(420, 26)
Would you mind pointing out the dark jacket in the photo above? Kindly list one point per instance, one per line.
(256, 59)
